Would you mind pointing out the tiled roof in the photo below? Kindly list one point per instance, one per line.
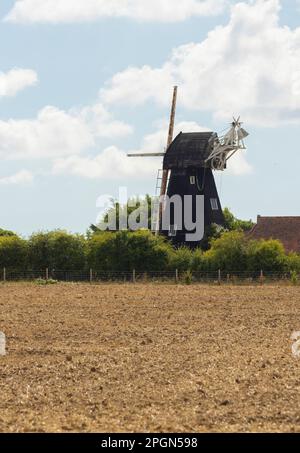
(285, 229)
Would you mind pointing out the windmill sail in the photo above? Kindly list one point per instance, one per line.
(224, 147)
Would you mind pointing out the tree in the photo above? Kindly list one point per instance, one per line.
(13, 252)
(6, 233)
(117, 210)
(233, 224)
(57, 250)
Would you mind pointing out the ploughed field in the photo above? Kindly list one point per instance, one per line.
(149, 358)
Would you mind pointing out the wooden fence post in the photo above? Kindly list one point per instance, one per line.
(219, 277)
(47, 274)
(4, 274)
(261, 277)
(91, 275)
(133, 276)
(176, 276)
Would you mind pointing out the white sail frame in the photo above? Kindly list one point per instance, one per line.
(226, 146)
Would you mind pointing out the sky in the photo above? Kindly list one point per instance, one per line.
(84, 82)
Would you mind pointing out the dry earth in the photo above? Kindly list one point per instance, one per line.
(145, 358)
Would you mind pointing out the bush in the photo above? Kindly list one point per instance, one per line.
(228, 253)
(198, 260)
(57, 250)
(294, 278)
(13, 252)
(293, 262)
(125, 251)
(188, 277)
(181, 259)
(266, 255)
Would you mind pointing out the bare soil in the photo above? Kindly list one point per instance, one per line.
(149, 358)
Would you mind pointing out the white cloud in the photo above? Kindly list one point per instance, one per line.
(113, 163)
(101, 122)
(137, 85)
(56, 11)
(56, 132)
(251, 66)
(238, 165)
(16, 80)
(21, 177)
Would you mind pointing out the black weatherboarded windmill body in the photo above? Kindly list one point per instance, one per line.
(188, 165)
(190, 175)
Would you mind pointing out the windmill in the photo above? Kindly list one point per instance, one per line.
(188, 165)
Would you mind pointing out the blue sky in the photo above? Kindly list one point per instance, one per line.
(77, 91)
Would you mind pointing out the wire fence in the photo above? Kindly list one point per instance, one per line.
(178, 276)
